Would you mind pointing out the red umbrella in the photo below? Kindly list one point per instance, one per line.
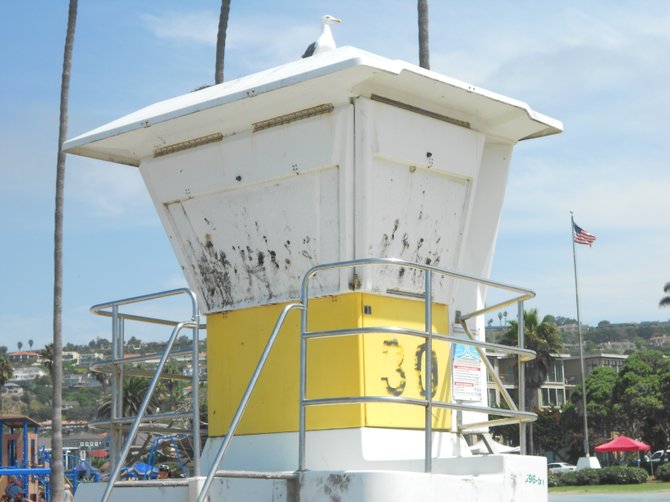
(99, 453)
(622, 443)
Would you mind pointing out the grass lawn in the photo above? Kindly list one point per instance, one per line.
(650, 486)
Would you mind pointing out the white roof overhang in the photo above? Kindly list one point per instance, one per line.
(334, 78)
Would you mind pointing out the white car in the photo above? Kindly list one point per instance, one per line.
(560, 467)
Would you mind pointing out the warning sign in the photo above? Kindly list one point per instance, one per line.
(466, 372)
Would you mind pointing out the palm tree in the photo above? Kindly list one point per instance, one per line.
(6, 371)
(57, 477)
(134, 390)
(221, 41)
(545, 339)
(30, 344)
(505, 316)
(665, 301)
(19, 345)
(500, 317)
(47, 355)
(424, 52)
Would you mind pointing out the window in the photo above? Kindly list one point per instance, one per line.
(555, 397)
(493, 397)
(555, 373)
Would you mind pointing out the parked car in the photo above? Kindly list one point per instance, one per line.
(560, 467)
(657, 459)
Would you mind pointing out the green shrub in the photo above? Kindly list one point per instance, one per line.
(663, 473)
(552, 479)
(579, 478)
(622, 475)
(638, 475)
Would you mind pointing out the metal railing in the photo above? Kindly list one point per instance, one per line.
(512, 415)
(204, 490)
(115, 366)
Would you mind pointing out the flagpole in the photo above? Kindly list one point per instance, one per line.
(581, 341)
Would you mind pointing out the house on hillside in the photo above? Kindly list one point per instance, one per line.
(659, 341)
(23, 356)
(80, 380)
(87, 358)
(11, 389)
(27, 374)
(71, 357)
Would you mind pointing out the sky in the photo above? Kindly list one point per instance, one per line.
(601, 67)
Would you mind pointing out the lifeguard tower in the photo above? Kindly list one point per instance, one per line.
(364, 194)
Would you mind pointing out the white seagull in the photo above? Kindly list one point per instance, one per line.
(325, 42)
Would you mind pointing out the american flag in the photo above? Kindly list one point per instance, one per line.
(581, 236)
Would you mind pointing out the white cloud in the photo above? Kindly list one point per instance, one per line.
(110, 191)
(183, 26)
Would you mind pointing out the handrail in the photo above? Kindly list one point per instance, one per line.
(513, 415)
(140, 414)
(204, 490)
(111, 309)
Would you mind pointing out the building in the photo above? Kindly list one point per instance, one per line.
(659, 341)
(27, 374)
(551, 393)
(591, 361)
(87, 358)
(71, 357)
(80, 380)
(11, 389)
(23, 356)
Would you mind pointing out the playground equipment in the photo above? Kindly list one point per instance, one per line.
(19, 456)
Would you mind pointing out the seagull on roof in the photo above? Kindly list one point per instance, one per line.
(325, 42)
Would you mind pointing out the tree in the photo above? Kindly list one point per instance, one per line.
(544, 338)
(600, 384)
(424, 50)
(30, 344)
(57, 471)
(47, 355)
(638, 394)
(548, 429)
(134, 390)
(19, 345)
(665, 301)
(6, 371)
(221, 41)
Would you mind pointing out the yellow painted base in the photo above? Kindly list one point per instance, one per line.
(359, 365)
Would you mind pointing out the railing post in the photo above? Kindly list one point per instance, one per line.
(230, 434)
(303, 376)
(116, 408)
(195, 391)
(429, 372)
(522, 379)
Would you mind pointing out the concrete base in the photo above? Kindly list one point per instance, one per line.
(356, 449)
(587, 463)
(490, 478)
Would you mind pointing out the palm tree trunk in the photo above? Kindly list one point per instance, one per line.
(221, 41)
(57, 478)
(424, 52)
